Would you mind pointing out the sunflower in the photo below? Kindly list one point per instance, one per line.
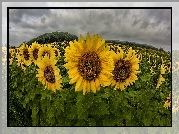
(140, 57)
(89, 63)
(16, 50)
(152, 67)
(19, 59)
(125, 70)
(11, 53)
(24, 54)
(160, 80)
(149, 58)
(33, 50)
(168, 102)
(168, 67)
(57, 52)
(45, 49)
(48, 73)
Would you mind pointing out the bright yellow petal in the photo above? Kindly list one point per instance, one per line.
(78, 84)
(93, 86)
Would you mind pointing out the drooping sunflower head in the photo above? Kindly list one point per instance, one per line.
(89, 63)
(125, 70)
(24, 52)
(168, 102)
(34, 49)
(46, 50)
(48, 73)
(160, 81)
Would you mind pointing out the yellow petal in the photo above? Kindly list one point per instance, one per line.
(97, 84)
(93, 86)
(84, 86)
(74, 79)
(78, 84)
(72, 72)
(88, 86)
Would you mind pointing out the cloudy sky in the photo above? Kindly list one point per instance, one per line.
(146, 26)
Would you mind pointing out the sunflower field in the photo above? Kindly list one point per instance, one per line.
(89, 82)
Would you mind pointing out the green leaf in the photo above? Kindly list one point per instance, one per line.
(91, 122)
(65, 80)
(105, 95)
(35, 116)
(111, 120)
(146, 77)
(84, 102)
(98, 109)
(59, 104)
(81, 123)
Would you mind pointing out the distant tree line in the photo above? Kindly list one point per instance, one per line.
(53, 37)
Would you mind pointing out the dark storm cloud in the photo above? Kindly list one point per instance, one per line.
(16, 15)
(43, 19)
(159, 14)
(150, 26)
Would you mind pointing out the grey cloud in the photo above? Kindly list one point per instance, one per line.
(43, 19)
(83, 27)
(160, 14)
(134, 25)
(16, 15)
(135, 22)
(145, 24)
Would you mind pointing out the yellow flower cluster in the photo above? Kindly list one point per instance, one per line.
(44, 57)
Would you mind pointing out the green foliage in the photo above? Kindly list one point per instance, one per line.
(53, 37)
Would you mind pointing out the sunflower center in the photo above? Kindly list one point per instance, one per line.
(45, 52)
(49, 74)
(16, 50)
(122, 70)
(26, 54)
(89, 66)
(35, 53)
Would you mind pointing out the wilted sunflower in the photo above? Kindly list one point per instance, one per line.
(152, 67)
(168, 67)
(24, 54)
(45, 49)
(168, 102)
(89, 63)
(48, 73)
(160, 80)
(125, 70)
(33, 50)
